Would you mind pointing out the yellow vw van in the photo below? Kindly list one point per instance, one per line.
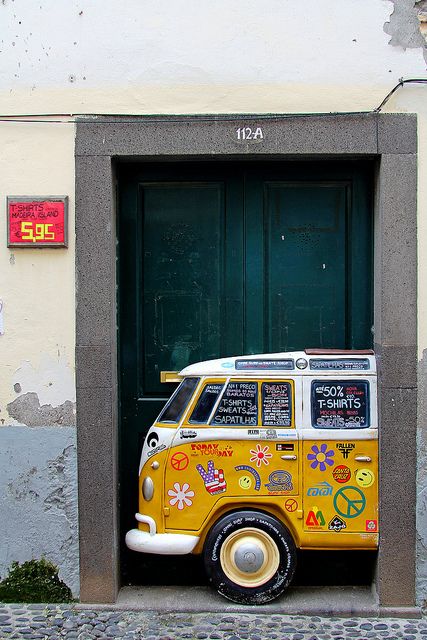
(256, 456)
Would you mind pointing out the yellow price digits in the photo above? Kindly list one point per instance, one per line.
(36, 231)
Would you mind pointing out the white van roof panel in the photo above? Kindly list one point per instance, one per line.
(310, 362)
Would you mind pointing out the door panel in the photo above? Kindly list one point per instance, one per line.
(305, 275)
(341, 493)
(216, 473)
(182, 285)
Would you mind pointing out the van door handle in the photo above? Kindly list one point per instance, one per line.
(363, 459)
(289, 457)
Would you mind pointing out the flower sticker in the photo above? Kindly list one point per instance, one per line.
(181, 496)
(260, 455)
(321, 457)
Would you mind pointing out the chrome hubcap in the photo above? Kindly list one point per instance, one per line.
(248, 557)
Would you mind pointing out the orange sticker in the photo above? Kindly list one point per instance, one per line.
(341, 473)
(291, 505)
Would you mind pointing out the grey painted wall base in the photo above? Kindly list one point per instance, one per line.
(38, 498)
(389, 138)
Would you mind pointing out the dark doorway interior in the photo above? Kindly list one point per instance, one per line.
(220, 259)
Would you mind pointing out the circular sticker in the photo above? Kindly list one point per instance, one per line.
(364, 478)
(291, 505)
(179, 461)
(341, 473)
(245, 482)
(349, 502)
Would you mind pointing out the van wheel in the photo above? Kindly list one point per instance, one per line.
(250, 557)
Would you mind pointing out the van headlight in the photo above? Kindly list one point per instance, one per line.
(147, 488)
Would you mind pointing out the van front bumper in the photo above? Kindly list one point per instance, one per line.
(159, 543)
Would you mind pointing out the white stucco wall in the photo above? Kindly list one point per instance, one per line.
(162, 57)
(36, 285)
(157, 56)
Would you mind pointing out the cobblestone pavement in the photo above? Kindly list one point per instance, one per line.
(52, 621)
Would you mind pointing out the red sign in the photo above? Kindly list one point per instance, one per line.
(371, 525)
(35, 222)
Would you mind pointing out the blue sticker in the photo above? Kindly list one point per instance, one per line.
(280, 481)
(320, 489)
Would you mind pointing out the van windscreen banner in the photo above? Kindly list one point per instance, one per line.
(340, 404)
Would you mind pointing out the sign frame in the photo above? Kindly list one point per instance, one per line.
(39, 244)
(340, 411)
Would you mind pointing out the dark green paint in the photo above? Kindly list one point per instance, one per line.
(220, 259)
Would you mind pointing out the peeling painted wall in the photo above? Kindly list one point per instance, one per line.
(190, 57)
(38, 499)
(406, 25)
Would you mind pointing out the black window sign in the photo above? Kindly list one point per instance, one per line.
(239, 405)
(276, 404)
(272, 365)
(205, 404)
(340, 364)
(340, 404)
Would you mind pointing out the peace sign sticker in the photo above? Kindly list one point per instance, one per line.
(349, 502)
(179, 461)
(291, 505)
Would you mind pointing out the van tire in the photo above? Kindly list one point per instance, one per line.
(249, 557)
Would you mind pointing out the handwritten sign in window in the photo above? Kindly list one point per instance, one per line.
(37, 222)
(276, 404)
(205, 404)
(340, 404)
(239, 405)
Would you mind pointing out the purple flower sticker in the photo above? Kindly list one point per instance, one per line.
(321, 457)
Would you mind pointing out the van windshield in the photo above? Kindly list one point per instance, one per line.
(205, 403)
(177, 404)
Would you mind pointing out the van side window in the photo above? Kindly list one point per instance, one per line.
(276, 404)
(340, 404)
(205, 404)
(177, 404)
(239, 405)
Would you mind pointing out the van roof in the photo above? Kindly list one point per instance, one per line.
(308, 362)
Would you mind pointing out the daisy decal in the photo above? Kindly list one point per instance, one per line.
(321, 457)
(180, 496)
(260, 455)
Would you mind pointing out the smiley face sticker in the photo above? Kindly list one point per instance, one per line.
(245, 482)
(365, 478)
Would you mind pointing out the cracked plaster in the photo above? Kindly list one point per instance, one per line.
(27, 410)
(406, 25)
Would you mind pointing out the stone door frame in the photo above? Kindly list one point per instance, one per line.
(100, 142)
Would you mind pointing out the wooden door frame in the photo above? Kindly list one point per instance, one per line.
(392, 140)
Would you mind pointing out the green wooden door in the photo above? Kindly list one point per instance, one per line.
(223, 259)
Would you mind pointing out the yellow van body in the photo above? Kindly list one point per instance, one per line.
(277, 449)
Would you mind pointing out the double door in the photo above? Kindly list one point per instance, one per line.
(220, 259)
